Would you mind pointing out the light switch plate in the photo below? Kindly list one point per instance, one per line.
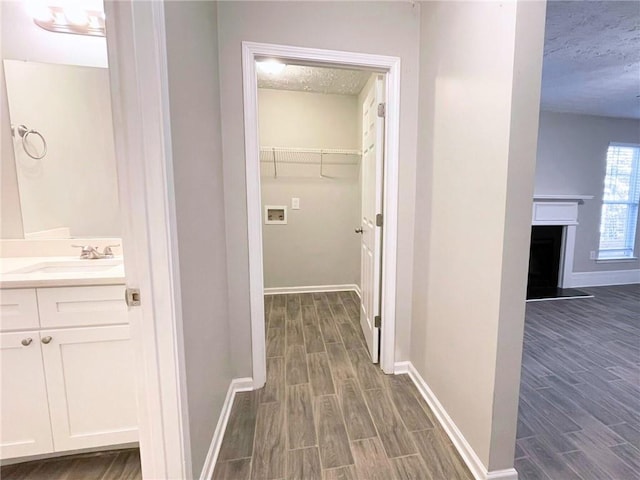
(295, 203)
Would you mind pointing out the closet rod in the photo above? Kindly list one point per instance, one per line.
(318, 151)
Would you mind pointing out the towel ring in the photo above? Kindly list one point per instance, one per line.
(24, 132)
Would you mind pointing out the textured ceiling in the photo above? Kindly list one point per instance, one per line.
(592, 58)
(315, 79)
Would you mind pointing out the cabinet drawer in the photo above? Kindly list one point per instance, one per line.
(82, 306)
(18, 309)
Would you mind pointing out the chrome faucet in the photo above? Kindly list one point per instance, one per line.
(92, 253)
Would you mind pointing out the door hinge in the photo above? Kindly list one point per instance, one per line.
(379, 220)
(377, 321)
(382, 110)
(132, 297)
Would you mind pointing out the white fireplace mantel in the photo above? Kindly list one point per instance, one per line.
(557, 209)
(560, 210)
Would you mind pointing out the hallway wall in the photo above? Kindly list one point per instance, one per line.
(194, 100)
(480, 76)
(351, 26)
(318, 245)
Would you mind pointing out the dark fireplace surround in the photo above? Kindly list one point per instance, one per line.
(545, 256)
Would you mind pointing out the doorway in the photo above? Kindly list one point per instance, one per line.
(382, 305)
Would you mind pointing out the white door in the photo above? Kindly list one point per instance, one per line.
(90, 381)
(371, 247)
(24, 413)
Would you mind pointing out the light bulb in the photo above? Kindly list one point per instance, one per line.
(271, 66)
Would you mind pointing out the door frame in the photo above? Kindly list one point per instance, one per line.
(136, 44)
(252, 51)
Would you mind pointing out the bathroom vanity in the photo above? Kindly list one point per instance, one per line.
(67, 378)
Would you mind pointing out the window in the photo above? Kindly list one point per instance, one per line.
(620, 202)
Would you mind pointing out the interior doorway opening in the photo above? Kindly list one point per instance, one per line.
(321, 160)
(270, 215)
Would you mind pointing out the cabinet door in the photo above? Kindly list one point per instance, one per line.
(90, 383)
(24, 411)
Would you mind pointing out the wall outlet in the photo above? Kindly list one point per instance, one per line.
(592, 255)
(295, 203)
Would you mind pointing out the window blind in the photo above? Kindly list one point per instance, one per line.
(619, 218)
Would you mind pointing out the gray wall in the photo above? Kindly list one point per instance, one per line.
(479, 98)
(318, 245)
(197, 165)
(354, 26)
(21, 39)
(572, 152)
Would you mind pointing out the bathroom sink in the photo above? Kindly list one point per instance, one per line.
(70, 266)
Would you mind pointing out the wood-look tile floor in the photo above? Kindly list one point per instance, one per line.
(112, 465)
(326, 412)
(579, 414)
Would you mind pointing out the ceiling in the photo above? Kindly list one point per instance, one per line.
(592, 58)
(591, 62)
(315, 79)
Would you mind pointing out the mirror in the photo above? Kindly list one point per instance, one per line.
(64, 152)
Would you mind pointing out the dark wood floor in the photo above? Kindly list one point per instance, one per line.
(113, 465)
(326, 411)
(580, 392)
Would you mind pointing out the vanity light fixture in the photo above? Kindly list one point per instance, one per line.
(66, 17)
(271, 66)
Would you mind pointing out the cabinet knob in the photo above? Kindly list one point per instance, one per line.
(26, 341)
(47, 339)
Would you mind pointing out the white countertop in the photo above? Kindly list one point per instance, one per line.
(31, 272)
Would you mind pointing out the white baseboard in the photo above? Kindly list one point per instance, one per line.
(312, 289)
(604, 278)
(236, 385)
(469, 456)
(401, 367)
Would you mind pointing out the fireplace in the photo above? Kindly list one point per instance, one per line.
(544, 256)
(553, 231)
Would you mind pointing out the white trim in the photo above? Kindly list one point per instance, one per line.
(469, 456)
(401, 367)
(569, 198)
(506, 474)
(567, 255)
(313, 288)
(604, 278)
(553, 299)
(140, 102)
(617, 260)
(236, 385)
(391, 65)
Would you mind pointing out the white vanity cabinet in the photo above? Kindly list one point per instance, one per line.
(24, 410)
(67, 375)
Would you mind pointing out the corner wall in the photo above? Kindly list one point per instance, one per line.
(480, 72)
(194, 98)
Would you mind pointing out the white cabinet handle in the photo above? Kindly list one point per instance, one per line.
(26, 341)
(47, 339)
